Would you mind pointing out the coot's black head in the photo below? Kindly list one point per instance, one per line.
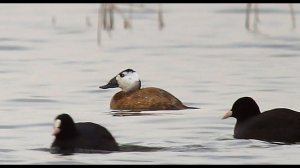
(64, 127)
(243, 109)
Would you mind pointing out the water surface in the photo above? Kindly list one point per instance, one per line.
(204, 56)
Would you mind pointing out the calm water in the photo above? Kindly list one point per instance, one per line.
(204, 56)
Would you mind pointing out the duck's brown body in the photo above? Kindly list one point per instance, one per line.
(146, 99)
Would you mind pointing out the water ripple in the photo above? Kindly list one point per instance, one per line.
(6, 150)
(243, 11)
(25, 125)
(5, 39)
(123, 148)
(12, 48)
(33, 100)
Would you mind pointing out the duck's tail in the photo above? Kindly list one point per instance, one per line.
(187, 107)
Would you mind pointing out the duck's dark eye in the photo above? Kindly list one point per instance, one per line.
(122, 75)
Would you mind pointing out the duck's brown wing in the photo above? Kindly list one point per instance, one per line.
(146, 99)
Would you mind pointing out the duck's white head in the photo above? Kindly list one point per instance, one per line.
(128, 80)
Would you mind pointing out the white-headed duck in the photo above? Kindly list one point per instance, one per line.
(134, 98)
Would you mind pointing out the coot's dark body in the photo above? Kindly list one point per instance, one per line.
(83, 136)
(276, 125)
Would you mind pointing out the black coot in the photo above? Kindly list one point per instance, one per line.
(73, 137)
(276, 125)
